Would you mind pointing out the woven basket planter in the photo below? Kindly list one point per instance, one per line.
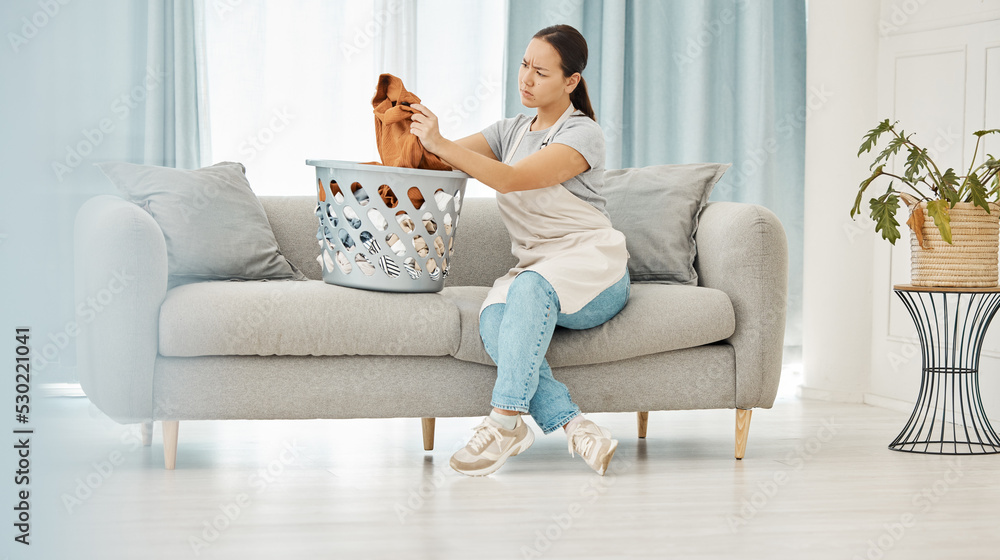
(970, 261)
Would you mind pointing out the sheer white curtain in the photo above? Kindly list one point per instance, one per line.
(293, 80)
(177, 126)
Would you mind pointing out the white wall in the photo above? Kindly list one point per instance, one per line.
(935, 66)
(836, 350)
(958, 43)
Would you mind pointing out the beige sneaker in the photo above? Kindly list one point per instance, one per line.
(490, 447)
(594, 444)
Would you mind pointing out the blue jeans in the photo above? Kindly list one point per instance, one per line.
(516, 335)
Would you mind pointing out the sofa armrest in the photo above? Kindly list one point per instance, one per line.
(120, 282)
(742, 250)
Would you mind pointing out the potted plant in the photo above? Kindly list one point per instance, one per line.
(958, 244)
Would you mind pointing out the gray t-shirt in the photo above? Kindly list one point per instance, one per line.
(579, 132)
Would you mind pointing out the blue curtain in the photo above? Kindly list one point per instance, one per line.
(177, 112)
(684, 81)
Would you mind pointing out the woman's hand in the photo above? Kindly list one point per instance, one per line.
(424, 125)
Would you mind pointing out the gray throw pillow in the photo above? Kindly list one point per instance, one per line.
(657, 208)
(214, 226)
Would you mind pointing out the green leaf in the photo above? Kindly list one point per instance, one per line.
(938, 209)
(915, 161)
(950, 178)
(871, 138)
(949, 184)
(856, 209)
(949, 194)
(891, 149)
(883, 212)
(981, 133)
(978, 193)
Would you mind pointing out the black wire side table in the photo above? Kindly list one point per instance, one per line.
(948, 417)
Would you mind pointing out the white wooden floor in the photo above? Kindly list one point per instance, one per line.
(817, 482)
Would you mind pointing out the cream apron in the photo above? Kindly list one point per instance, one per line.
(568, 241)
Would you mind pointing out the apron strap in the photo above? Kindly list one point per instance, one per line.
(548, 137)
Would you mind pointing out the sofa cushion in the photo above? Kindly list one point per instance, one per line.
(657, 318)
(213, 224)
(657, 208)
(311, 317)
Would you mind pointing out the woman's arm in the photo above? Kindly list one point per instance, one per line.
(477, 143)
(547, 167)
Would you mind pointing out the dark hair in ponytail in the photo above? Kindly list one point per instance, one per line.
(572, 48)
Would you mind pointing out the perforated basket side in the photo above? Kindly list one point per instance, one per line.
(386, 230)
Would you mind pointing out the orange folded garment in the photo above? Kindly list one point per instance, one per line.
(396, 145)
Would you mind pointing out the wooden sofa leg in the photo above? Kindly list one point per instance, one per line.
(643, 418)
(147, 433)
(742, 430)
(428, 427)
(170, 443)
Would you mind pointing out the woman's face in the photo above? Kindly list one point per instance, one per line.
(540, 78)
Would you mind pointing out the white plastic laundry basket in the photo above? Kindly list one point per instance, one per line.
(390, 229)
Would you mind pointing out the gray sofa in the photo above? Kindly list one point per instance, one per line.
(307, 349)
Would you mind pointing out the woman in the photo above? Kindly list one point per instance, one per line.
(571, 271)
